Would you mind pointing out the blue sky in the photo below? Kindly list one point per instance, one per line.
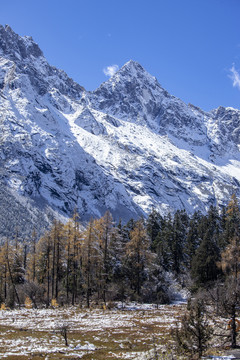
(191, 46)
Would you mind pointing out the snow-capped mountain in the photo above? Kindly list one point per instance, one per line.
(126, 147)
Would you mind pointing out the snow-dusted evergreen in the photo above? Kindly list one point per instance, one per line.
(126, 147)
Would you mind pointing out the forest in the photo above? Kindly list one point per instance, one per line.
(103, 261)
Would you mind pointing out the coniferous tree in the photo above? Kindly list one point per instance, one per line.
(104, 231)
(43, 263)
(4, 275)
(204, 263)
(195, 332)
(119, 286)
(138, 256)
(10, 259)
(153, 225)
(192, 240)
(232, 221)
(163, 243)
(31, 271)
(89, 260)
(68, 251)
(56, 237)
(180, 226)
(73, 244)
(18, 271)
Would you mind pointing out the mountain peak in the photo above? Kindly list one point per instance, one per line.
(131, 64)
(132, 75)
(134, 69)
(131, 94)
(7, 28)
(28, 59)
(16, 46)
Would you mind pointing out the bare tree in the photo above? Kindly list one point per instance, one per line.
(63, 330)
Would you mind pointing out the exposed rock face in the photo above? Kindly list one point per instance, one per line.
(126, 147)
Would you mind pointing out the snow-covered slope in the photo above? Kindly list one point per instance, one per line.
(126, 147)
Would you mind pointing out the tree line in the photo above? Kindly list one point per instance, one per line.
(105, 261)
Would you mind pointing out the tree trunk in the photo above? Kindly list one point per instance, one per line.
(48, 272)
(11, 277)
(5, 282)
(57, 267)
(233, 328)
(53, 264)
(68, 266)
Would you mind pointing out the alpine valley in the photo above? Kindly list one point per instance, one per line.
(127, 147)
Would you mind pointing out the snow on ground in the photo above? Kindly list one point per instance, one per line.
(229, 357)
(122, 334)
(128, 331)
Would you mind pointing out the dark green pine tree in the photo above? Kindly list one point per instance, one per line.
(180, 227)
(162, 243)
(154, 224)
(192, 239)
(204, 263)
(222, 238)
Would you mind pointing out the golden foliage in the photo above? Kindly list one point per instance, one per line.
(230, 257)
(232, 207)
(28, 303)
(54, 303)
(3, 307)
